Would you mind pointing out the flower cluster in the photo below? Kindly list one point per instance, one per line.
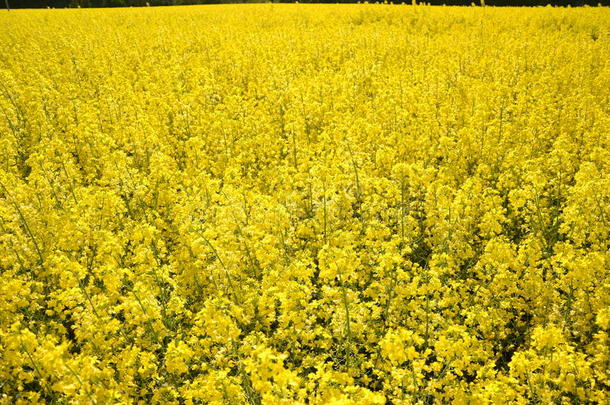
(294, 204)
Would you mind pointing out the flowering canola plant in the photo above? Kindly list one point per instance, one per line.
(296, 204)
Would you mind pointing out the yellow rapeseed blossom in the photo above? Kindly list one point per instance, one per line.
(305, 204)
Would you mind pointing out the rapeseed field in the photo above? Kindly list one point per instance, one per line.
(305, 204)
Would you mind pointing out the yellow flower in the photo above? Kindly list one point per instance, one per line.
(281, 204)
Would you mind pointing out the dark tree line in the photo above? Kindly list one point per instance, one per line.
(138, 3)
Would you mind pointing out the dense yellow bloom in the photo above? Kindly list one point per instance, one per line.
(298, 204)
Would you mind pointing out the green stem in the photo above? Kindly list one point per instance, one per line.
(348, 328)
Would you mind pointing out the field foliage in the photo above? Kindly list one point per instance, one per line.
(280, 204)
